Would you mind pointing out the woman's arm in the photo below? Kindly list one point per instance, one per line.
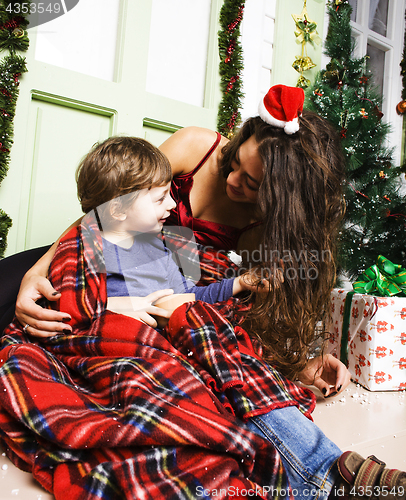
(186, 147)
(34, 286)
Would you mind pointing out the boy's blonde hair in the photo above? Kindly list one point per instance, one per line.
(120, 166)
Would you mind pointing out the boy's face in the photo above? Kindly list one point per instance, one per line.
(149, 210)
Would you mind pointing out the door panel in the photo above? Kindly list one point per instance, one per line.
(54, 164)
(63, 108)
(157, 132)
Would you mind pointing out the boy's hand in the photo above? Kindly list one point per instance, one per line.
(249, 281)
(140, 308)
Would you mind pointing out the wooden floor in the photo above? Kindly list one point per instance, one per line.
(371, 423)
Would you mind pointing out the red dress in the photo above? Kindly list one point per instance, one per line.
(207, 233)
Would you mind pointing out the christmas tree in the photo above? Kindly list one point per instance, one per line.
(343, 93)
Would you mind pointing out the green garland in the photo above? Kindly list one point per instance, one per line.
(231, 64)
(13, 38)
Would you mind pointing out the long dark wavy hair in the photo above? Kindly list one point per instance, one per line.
(301, 205)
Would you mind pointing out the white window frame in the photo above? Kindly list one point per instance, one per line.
(392, 44)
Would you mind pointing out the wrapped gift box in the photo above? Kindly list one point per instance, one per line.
(376, 345)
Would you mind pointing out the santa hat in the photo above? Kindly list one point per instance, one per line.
(282, 106)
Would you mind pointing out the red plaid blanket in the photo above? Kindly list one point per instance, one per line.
(118, 410)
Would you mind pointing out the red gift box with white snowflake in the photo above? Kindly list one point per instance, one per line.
(375, 347)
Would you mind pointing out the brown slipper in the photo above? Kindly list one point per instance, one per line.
(369, 478)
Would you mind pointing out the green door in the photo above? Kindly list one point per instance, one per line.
(102, 69)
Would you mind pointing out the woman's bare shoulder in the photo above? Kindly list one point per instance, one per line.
(186, 147)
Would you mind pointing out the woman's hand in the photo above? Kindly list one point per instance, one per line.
(38, 321)
(327, 373)
(140, 308)
(41, 322)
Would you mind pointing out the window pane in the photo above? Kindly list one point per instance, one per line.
(378, 16)
(354, 5)
(376, 63)
(82, 40)
(177, 56)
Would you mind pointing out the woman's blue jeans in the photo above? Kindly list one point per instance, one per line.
(308, 456)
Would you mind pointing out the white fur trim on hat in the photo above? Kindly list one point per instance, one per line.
(281, 107)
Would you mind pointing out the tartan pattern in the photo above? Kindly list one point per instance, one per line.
(118, 410)
(214, 264)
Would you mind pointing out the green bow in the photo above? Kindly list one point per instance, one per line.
(383, 278)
